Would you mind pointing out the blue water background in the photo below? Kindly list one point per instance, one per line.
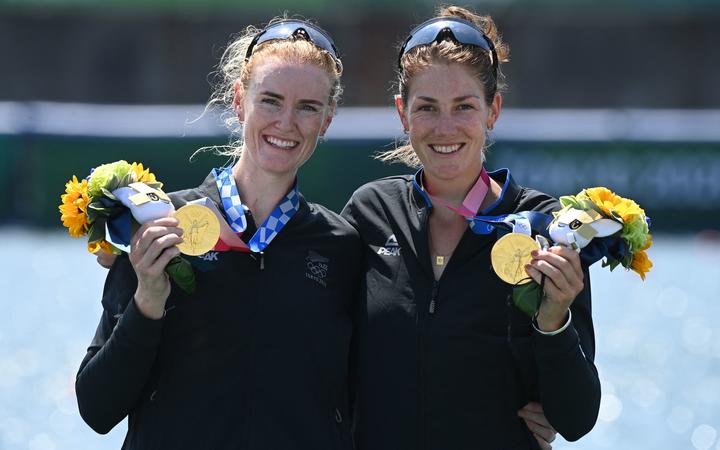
(658, 346)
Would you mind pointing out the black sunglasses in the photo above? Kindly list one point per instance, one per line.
(441, 28)
(287, 29)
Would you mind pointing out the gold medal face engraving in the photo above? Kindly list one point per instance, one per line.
(201, 229)
(509, 256)
(439, 260)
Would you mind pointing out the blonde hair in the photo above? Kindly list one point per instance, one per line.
(233, 67)
(477, 60)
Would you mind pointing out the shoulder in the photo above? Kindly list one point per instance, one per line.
(208, 188)
(329, 221)
(384, 187)
(524, 198)
(377, 198)
(179, 198)
(533, 200)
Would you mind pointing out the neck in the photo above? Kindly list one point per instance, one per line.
(259, 190)
(451, 190)
(456, 189)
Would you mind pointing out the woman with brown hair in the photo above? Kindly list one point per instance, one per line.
(446, 359)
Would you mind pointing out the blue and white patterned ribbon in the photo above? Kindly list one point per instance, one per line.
(235, 210)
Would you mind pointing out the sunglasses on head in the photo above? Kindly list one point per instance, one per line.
(441, 28)
(294, 29)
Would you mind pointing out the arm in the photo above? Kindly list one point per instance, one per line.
(118, 363)
(568, 382)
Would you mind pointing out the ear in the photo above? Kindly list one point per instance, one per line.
(400, 107)
(328, 118)
(606, 227)
(495, 108)
(238, 101)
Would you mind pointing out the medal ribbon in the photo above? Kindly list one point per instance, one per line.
(235, 211)
(523, 222)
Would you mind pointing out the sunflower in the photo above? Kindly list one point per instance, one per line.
(635, 228)
(641, 263)
(74, 207)
(105, 246)
(143, 175)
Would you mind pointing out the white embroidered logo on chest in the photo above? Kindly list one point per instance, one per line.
(391, 248)
(317, 268)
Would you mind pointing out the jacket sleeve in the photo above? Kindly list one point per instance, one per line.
(568, 381)
(119, 360)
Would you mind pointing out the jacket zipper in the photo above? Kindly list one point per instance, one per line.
(251, 377)
(433, 297)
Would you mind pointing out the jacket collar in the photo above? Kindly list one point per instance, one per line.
(504, 203)
(209, 189)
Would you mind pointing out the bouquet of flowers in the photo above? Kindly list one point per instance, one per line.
(600, 225)
(112, 201)
(633, 236)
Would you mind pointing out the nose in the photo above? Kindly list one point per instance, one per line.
(445, 125)
(286, 119)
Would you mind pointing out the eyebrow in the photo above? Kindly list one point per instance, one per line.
(456, 99)
(302, 100)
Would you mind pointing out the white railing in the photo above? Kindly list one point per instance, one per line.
(539, 125)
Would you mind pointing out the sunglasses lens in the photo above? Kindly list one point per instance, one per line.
(285, 30)
(461, 31)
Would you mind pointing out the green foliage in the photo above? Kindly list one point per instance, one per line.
(181, 272)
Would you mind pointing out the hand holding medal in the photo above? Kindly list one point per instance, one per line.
(118, 197)
(596, 223)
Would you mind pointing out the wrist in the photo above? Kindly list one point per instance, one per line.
(149, 306)
(551, 330)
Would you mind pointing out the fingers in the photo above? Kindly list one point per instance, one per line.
(106, 260)
(532, 407)
(544, 445)
(535, 419)
(564, 276)
(547, 433)
(153, 245)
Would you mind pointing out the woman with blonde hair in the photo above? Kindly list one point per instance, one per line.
(257, 357)
(445, 358)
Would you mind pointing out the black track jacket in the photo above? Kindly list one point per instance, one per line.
(256, 359)
(453, 376)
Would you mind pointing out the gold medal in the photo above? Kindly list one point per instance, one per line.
(509, 256)
(201, 229)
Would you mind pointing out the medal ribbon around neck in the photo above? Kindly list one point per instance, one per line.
(523, 222)
(235, 210)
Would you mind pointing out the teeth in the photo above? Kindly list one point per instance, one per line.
(281, 142)
(446, 148)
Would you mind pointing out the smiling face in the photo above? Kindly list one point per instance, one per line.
(284, 109)
(446, 118)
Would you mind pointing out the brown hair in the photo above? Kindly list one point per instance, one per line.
(477, 60)
(233, 67)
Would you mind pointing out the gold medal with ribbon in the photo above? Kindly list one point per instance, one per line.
(201, 229)
(509, 256)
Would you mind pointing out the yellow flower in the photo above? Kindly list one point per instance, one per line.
(74, 207)
(641, 263)
(103, 245)
(143, 175)
(609, 202)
